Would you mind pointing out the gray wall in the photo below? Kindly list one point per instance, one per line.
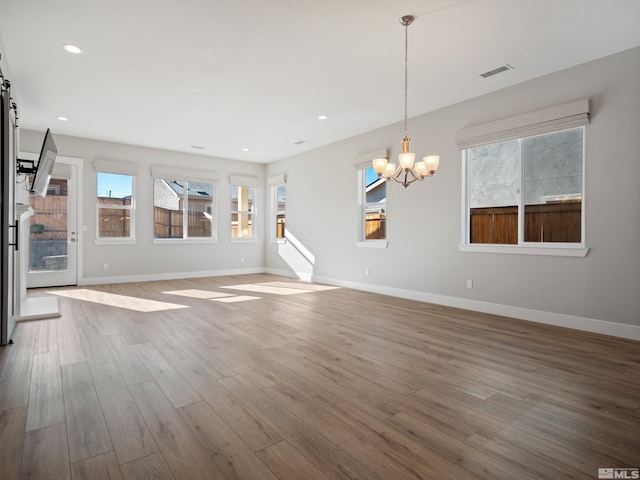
(144, 258)
(424, 223)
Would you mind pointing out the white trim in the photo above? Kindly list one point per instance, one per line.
(184, 174)
(547, 120)
(244, 181)
(168, 276)
(186, 240)
(556, 250)
(275, 180)
(372, 244)
(119, 167)
(115, 241)
(593, 325)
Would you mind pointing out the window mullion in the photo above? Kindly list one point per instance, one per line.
(185, 211)
(521, 215)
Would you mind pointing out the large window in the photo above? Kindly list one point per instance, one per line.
(115, 204)
(243, 212)
(183, 210)
(373, 205)
(526, 191)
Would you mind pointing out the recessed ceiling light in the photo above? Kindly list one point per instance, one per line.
(62, 119)
(245, 149)
(322, 117)
(69, 47)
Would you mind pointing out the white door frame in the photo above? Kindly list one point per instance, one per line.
(72, 276)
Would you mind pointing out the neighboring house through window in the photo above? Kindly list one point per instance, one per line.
(373, 211)
(183, 209)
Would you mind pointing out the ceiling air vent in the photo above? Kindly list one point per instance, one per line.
(299, 142)
(496, 71)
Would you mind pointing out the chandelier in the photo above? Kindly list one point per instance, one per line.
(408, 170)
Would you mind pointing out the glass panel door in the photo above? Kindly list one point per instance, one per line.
(53, 235)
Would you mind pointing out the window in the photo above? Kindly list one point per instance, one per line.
(373, 205)
(526, 191)
(243, 212)
(279, 198)
(183, 210)
(115, 204)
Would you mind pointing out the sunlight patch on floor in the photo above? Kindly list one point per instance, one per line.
(235, 298)
(278, 288)
(307, 287)
(195, 293)
(115, 300)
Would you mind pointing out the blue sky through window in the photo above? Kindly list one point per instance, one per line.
(112, 185)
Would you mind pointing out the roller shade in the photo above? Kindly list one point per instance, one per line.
(551, 119)
(183, 174)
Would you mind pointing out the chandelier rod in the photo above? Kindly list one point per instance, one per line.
(406, 21)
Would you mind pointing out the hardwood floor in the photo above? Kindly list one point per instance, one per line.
(263, 377)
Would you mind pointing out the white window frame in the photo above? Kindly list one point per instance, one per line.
(276, 182)
(362, 241)
(547, 120)
(161, 172)
(185, 214)
(251, 183)
(131, 239)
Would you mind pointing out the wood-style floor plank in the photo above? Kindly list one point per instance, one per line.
(15, 379)
(46, 405)
(101, 467)
(234, 458)
(289, 464)
(87, 432)
(306, 381)
(152, 467)
(12, 426)
(129, 433)
(45, 454)
(183, 452)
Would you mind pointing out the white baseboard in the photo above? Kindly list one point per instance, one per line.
(593, 325)
(167, 276)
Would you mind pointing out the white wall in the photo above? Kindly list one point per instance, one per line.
(145, 260)
(424, 226)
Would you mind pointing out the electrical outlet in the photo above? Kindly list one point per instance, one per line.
(366, 272)
(469, 283)
(106, 266)
(242, 260)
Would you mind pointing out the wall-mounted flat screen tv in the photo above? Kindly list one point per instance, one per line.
(44, 168)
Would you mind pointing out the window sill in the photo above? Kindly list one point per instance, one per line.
(243, 240)
(372, 244)
(550, 250)
(279, 240)
(179, 241)
(115, 241)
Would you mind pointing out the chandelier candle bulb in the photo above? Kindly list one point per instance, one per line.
(379, 165)
(406, 160)
(432, 162)
(389, 170)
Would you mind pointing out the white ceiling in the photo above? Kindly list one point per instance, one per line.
(234, 74)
